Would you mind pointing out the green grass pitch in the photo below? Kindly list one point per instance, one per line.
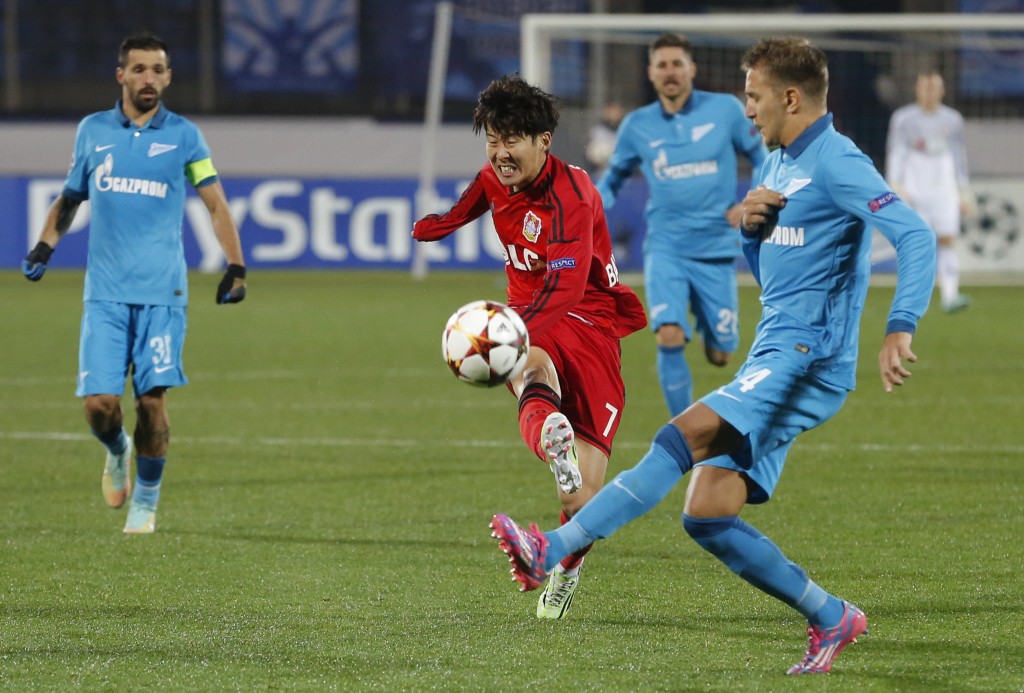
(323, 523)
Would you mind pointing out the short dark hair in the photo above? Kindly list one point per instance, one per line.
(671, 41)
(142, 41)
(791, 61)
(511, 106)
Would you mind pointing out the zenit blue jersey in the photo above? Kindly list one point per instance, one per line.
(134, 179)
(813, 263)
(689, 161)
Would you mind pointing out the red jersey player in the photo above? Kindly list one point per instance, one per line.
(563, 281)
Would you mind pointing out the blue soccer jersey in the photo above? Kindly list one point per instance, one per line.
(689, 161)
(134, 179)
(813, 263)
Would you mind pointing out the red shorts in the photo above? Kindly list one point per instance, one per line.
(589, 365)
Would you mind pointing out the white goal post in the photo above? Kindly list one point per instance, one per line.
(537, 31)
(897, 44)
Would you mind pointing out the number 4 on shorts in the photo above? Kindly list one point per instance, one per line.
(750, 380)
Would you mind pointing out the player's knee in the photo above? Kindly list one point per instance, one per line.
(151, 409)
(101, 410)
(540, 370)
(709, 532)
(539, 379)
(717, 357)
(714, 535)
(671, 335)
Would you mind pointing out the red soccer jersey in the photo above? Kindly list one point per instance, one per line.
(558, 253)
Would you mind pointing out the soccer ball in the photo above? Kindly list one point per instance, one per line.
(485, 343)
(993, 231)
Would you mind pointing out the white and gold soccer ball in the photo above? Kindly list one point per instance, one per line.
(485, 343)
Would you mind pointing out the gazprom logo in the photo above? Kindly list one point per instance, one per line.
(879, 202)
(665, 171)
(787, 235)
(562, 263)
(134, 186)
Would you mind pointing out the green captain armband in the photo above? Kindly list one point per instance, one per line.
(201, 170)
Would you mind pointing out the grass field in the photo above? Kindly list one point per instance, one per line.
(323, 522)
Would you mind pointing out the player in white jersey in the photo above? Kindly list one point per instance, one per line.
(926, 165)
(133, 163)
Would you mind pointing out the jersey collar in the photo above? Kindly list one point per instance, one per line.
(537, 185)
(804, 139)
(157, 121)
(687, 107)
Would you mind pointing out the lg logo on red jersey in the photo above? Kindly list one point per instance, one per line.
(528, 262)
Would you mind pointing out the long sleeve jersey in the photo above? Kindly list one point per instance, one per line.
(813, 262)
(689, 161)
(558, 253)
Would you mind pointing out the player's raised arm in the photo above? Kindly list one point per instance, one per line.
(760, 206)
(472, 205)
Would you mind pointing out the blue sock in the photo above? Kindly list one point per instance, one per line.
(631, 494)
(751, 555)
(115, 440)
(149, 471)
(675, 378)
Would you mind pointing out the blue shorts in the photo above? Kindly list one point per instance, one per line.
(119, 336)
(772, 399)
(677, 286)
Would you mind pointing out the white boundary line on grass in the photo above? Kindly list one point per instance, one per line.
(453, 443)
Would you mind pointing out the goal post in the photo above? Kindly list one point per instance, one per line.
(873, 62)
(426, 190)
(538, 31)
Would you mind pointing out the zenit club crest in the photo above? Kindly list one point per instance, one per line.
(531, 227)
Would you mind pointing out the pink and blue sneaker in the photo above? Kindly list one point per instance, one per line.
(826, 643)
(525, 550)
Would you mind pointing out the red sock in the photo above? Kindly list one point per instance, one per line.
(535, 404)
(573, 560)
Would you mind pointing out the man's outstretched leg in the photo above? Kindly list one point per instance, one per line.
(533, 555)
(832, 623)
(714, 499)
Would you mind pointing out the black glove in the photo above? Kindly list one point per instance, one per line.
(225, 294)
(34, 264)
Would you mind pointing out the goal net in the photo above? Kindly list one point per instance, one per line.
(873, 62)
